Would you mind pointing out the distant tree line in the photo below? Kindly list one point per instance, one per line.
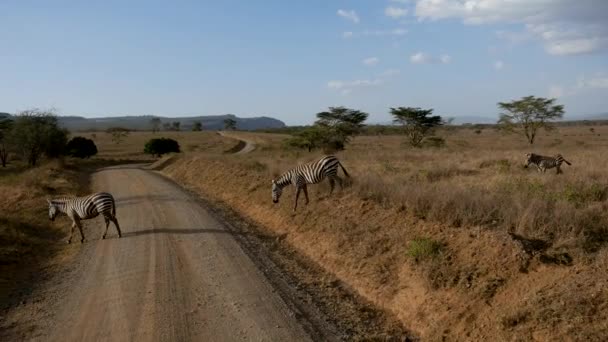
(333, 129)
(35, 133)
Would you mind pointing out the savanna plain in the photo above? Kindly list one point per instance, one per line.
(459, 242)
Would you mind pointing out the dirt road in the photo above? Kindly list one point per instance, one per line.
(176, 275)
(247, 146)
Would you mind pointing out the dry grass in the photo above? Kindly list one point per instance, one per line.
(133, 146)
(27, 237)
(472, 198)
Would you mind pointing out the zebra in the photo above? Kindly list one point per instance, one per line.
(84, 208)
(310, 173)
(543, 163)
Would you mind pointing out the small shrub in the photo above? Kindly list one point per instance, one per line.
(160, 146)
(434, 142)
(423, 248)
(500, 164)
(81, 147)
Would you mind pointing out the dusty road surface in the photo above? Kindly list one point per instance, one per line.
(248, 145)
(176, 275)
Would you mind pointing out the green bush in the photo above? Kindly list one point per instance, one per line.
(81, 147)
(422, 248)
(160, 146)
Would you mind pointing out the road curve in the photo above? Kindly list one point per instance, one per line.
(176, 275)
(248, 144)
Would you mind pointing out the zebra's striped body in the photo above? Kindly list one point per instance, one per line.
(543, 163)
(310, 173)
(84, 208)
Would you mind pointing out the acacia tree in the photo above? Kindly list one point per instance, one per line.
(36, 132)
(175, 125)
(528, 115)
(332, 130)
(229, 124)
(118, 134)
(197, 126)
(155, 123)
(418, 123)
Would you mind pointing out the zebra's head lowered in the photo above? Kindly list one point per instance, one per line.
(276, 192)
(530, 157)
(53, 210)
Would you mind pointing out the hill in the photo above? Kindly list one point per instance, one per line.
(210, 122)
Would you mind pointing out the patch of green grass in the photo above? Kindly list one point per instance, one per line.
(423, 248)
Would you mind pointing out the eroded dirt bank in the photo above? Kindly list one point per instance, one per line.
(483, 284)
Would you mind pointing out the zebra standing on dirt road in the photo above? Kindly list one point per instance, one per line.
(543, 163)
(310, 173)
(84, 208)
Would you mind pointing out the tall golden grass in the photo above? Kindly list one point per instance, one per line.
(470, 199)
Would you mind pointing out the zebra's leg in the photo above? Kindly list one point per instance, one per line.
(305, 188)
(107, 225)
(80, 229)
(340, 182)
(332, 184)
(72, 232)
(558, 170)
(115, 220)
(297, 195)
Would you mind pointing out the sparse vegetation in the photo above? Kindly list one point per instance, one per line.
(35, 133)
(423, 248)
(155, 124)
(332, 130)
(197, 126)
(529, 114)
(417, 123)
(229, 124)
(118, 134)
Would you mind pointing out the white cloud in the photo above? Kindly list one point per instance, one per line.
(556, 91)
(395, 12)
(390, 72)
(371, 61)
(498, 65)
(597, 82)
(339, 85)
(420, 58)
(400, 1)
(425, 58)
(565, 27)
(395, 32)
(376, 33)
(350, 15)
(583, 84)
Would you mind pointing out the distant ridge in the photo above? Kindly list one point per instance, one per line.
(210, 122)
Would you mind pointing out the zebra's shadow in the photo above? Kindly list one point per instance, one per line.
(179, 231)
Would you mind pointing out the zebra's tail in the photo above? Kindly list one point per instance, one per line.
(567, 162)
(113, 208)
(344, 170)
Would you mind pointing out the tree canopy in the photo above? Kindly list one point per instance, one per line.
(529, 114)
(160, 146)
(332, 130)
(81, 147)
(418, 123)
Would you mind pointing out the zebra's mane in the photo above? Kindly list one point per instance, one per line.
(62, 199)
(284, 179)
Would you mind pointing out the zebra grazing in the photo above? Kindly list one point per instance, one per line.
(84, 208)
(543, 163)
(310, 173)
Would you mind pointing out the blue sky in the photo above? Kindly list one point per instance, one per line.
(292, 59)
